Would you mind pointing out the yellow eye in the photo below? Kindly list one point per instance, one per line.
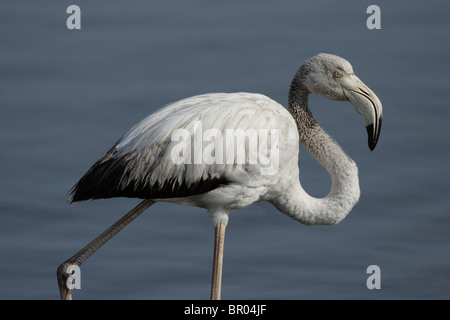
(337, 74)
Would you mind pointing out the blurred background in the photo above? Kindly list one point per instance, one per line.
(66, 96)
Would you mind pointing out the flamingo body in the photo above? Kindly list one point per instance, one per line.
(179, 154)
(141, 164)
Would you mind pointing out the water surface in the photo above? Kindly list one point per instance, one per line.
(67, 96)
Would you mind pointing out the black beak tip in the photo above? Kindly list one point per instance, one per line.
(373, 137)
(374, 132)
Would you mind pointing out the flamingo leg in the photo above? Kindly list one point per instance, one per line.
(216, 286)
(66, 269)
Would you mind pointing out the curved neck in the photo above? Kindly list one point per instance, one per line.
(344, 191)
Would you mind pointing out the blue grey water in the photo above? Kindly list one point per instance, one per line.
(67, 95)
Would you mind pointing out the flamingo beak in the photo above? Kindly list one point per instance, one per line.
(366, 103)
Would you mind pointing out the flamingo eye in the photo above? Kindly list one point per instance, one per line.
(337, 74)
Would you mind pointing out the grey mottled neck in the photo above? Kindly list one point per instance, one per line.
(298, 97)
(344, 192)
(343, 171)
(307, 126)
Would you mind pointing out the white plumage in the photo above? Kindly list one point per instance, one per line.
(237, 111)
(148, 149)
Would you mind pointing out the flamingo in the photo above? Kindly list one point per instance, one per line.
(152, 162)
